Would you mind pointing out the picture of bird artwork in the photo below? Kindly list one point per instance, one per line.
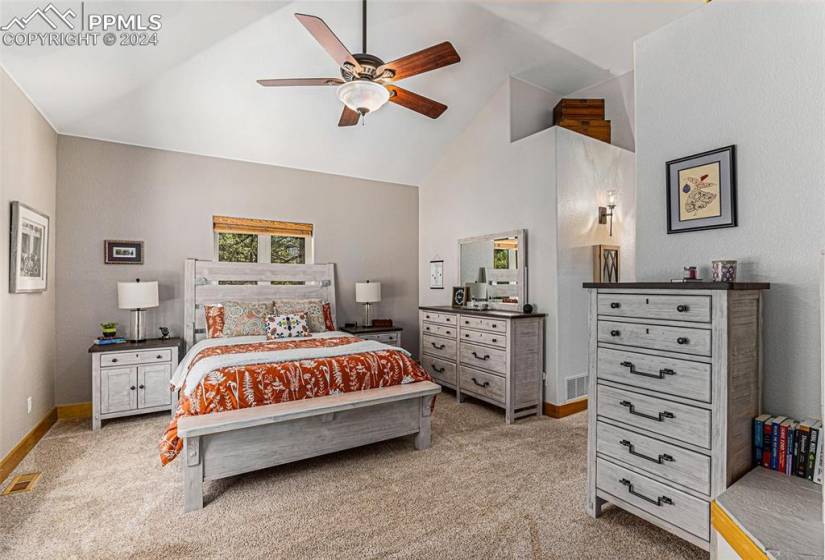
(699, 192)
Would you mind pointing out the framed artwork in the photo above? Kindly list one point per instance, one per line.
(436, 275)
(701, 191)
(29, 256)
(122, 252)
(605, 263)
(459, 298)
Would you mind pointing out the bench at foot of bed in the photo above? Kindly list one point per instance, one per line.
(238, 441)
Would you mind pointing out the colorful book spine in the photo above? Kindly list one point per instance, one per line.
(804, 433)
(782, 447)
(818, 466)
(775, 429)
(809, 468)
(758, 436)
(791, 439)
(766, 442)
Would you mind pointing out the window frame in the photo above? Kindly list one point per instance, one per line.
(265, 247)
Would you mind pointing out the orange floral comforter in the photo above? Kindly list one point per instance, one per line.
(231, 388)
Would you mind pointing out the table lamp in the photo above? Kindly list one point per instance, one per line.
(367, 293)
(137, 296)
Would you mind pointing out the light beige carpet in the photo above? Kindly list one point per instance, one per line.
(483, 491)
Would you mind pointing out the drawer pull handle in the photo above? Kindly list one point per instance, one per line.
(466, 335)
(438, 347)
(660, 418)
(482, 385)
(141, 386)
(495, 340)
(660, 460)
(682, 340)
(494, 326)
(657, 502)
(660, 375)
(484, 357)
(159, 357)
(438, 370)
(448, 332)
(615, 305)
(615, 333)
(466, 322)
(132, 388)
(426, 328)
(427, 316)
(682, 308)
(114, 360)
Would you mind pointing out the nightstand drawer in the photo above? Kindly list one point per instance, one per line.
(132, 358)
(440, 330)
(151, 356)
(391, 338)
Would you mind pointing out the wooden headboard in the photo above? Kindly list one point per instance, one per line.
(204, 284)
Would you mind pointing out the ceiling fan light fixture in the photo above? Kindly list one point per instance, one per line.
(363, 96)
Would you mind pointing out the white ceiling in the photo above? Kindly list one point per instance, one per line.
(196, 92)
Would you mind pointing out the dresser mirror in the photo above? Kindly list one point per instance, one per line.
(493, 268)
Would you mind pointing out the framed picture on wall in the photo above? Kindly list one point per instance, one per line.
(436, 275)
(29, 255)
(701, 191)
(122, 252)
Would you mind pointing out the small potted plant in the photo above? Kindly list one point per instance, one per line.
(109, 330)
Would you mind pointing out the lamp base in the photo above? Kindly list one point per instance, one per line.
(137, 326)
(367, 315)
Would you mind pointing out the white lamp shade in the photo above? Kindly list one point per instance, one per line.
(137, 295)
(363, 96)
(367, 292)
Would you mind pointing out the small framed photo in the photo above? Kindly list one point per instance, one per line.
(436, 275)
(459, 298)
(29, 255)
(122, 252)
(701, 191)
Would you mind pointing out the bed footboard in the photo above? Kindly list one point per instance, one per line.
(238, 441)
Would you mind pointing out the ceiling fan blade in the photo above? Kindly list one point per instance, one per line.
(349, 117)
(302, 82)
(417, 103)
(331, 43)
(434, 57)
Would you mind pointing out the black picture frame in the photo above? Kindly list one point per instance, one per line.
(122, 252)
(726, 158)
(459, 297)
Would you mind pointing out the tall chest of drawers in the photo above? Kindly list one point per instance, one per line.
(494, 356)
(674, 386)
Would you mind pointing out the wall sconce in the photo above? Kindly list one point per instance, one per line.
(607, 212)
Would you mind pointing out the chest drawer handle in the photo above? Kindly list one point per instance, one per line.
(493, 326)
(614, 332)
(615, 305)
(132, 388)
(438, 370)
(114, 360)
(660, 375)
(660, 418)
(682, 340)
(426, 328)
(660, 460)
(466, 335)
(466, 322)
(438, 347)
(495, 340)
(657, 502)
(484, 357)
(682, 308)
(448, 332)
(482, 385)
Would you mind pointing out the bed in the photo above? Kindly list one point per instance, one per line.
(329, 392)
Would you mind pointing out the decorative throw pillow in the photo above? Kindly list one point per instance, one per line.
(242, 319)
(214, 320)
(286, 326)
(312, 308)
(328, 323)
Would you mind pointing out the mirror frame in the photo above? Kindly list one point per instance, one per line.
(521, 235)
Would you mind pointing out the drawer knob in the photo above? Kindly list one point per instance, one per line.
(615, 305)
(660, 459)
(661, 375)
(482, 385)
(660, 417)
(114, 360)
(427, 316)
(682, 340)
(438, 346)
(466, 322)
(495, 340)
(614, 332)
(141, 386)
(437, 369)
(484, 357)
(466, 335)
(682, 308)
(426, 328)
(159, 356)
(448, 332)
(657, 502)
(494, 326)
(132, 388)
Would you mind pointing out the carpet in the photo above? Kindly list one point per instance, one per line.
(484, 490)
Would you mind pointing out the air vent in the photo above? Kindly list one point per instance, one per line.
(22, 483)
(576, 387)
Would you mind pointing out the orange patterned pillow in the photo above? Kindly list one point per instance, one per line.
(214, 321)
(328, 317)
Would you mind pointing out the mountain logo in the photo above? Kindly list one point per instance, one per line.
(48, 14)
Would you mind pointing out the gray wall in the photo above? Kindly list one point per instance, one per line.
(749, 74)
(167, 199)
(28, 151)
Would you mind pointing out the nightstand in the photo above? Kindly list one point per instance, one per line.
(133, 378)
(387, 335)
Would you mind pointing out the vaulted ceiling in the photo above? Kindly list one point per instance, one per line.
(196, 91)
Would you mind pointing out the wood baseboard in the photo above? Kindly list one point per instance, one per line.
(19, 451)
(76, 410)
(562, 410)
(733, 534)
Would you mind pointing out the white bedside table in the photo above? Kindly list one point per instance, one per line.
(387, 335)
(133, 378)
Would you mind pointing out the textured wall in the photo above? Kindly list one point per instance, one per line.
(749, 74)
(167, 199)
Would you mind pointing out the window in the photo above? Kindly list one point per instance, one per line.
(265, 241)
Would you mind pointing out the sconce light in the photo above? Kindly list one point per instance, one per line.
(607, 212)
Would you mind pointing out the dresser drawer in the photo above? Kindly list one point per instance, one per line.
(440, 318)
(674, 339)
(688, 468)
(479, 383)
(484, 337)
(670, 419)
(676, 377)
(391, 338)
(493, 325)
(440, 330)
(651, 306)
(666, 503)
(440, 370)
(483, 357)
(436, 346)
(131, 358)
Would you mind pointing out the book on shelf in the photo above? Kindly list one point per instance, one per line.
(812, 450)
(759, 436)
(776, 423)
(789, 446)
(106, 341)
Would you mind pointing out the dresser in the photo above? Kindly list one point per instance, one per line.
(133, 378)
(674, 385)
(387, 335)
(494, 356)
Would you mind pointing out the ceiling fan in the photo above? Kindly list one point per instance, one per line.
(367, 82)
